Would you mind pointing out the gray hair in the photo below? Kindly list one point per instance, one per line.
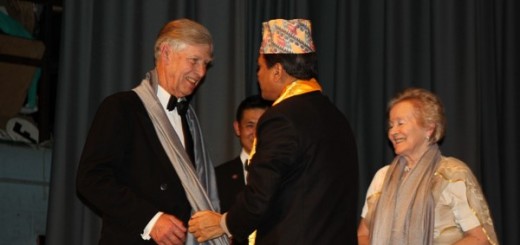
(428, 109)
(180, 32)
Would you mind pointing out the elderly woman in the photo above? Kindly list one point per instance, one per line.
(423, 197)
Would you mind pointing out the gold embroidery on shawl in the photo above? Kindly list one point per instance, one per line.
(448, 229)
(488, 237)
(446, 178)
(453, 170)
(375, 195)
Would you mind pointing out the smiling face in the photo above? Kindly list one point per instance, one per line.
(408, 136)
(245, 129)
(184, 68)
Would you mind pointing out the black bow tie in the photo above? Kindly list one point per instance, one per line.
(182, 105)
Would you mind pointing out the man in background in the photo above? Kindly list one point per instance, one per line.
(232, 175)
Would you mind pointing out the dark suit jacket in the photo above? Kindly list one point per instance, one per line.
(125, 174)
(230, 182)
(303, 179)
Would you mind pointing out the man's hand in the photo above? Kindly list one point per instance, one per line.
(205, 225)
(168, 230)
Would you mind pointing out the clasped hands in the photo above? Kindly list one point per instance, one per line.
(205, 225)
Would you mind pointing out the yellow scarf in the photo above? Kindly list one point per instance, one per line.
(298, 87)
(295, 88)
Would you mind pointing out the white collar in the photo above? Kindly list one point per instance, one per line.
(163, 96)
(243, 155)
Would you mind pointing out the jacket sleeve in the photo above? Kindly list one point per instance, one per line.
(277, 146)
(102, 173)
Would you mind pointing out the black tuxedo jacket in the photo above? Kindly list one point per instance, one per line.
(303, 179)
(125, 174)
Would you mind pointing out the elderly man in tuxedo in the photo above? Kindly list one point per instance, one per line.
(144, 167)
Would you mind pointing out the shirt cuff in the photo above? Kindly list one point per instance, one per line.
(223, 225)
(149, 226)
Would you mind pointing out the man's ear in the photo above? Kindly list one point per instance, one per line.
(279, 68)
(165, 52)
(236, 128)
(277, 71)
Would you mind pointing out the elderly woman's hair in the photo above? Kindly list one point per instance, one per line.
(180, 32)
(428, 109)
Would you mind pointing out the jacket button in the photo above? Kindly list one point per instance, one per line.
(164, 187)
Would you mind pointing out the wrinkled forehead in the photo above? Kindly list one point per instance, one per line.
(199, 51)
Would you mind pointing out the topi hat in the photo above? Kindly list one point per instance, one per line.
(287, 37)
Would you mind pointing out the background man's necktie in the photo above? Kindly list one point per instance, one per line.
(246, 164)
(182, 108)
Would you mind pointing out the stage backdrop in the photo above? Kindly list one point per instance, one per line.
(466, 51)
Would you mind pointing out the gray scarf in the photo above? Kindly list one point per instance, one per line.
(405, 211)
(200, 183)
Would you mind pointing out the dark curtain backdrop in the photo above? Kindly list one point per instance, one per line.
(466, 51)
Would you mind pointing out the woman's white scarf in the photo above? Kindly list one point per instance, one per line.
(200, 184)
